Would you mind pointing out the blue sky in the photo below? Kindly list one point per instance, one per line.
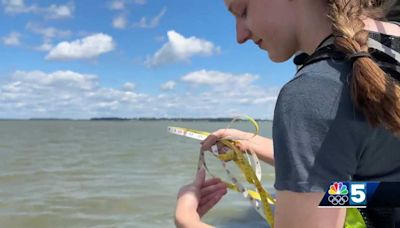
(132, 58)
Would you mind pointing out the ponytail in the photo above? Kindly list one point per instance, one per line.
(373, 92)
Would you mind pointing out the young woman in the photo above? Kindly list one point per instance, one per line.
(337, 120)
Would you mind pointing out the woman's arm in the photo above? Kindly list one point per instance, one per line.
(186, 215)
(196, 199)
(295, 209)
(292, 209)
(262, 146)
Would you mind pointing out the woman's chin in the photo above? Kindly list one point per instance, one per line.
(279, 57)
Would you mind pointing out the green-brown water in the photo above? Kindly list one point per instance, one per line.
(106, 174)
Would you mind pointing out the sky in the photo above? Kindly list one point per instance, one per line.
(131, 58)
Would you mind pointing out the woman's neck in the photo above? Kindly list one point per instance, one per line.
(312, 29)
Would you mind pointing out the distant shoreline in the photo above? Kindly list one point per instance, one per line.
(222, 119)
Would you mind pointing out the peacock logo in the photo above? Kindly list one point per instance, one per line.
(338, 188)
(338, 194)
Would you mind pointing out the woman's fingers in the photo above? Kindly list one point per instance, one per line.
(212, 188)
(211, 181)
(208, 142)
(210, 203)
(206, 198)
(212, 140)
(200, 177)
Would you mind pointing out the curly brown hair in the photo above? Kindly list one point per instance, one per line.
(373, 92)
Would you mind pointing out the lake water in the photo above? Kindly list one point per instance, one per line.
(107, 174)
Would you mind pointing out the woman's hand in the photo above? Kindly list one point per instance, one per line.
(197, 198)
(262, 146)
(226, 133)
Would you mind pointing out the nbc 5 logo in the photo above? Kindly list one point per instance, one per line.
(358, 194)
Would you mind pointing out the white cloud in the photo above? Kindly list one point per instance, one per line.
(65, 94)
(17, 6)
(53, 11)
(140, 2)
(207, 77)
(119, 22)
(45, 46)
(47, 32)
(69, 94)
(264, 100)
(212, 103)
(169, 85)
(86, 48)
(12, 39)
(128, 86)
(122, 4)
(59, 11)
(14, 3)
(59, 79)
(181, 49)
(152, 23)
(117, 5)
(220, 80)
(224, 91)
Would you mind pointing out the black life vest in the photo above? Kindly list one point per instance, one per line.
(384, 49)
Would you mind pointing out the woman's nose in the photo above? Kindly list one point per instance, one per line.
(242, 32)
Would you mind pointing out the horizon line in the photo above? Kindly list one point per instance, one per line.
(134, 118)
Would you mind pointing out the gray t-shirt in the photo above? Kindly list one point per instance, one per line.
(320, 137)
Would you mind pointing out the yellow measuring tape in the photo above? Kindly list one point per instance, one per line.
(261, 200)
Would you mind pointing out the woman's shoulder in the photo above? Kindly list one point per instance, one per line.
(326, 77)
(332, 68)
(317, 91)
